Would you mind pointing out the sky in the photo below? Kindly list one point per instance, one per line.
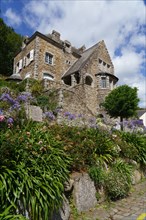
(120, 23)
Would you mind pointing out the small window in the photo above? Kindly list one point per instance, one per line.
(48, 76)
(88, 80)
(108, 66)
(49, 58)
(67, 62)
(100, 61)
(104, 64)
(103, 82)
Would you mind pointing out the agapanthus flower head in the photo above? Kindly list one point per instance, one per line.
(67, 114)
(71, 117)
(10, 120)
(50, 115)
(80, 115)
(7, 97)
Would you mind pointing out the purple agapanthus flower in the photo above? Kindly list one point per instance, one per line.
(67, 114)
(7, 97)
(50, 115)
(71, 117)
(10, 120)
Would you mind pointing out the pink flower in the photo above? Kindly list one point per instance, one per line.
(2, 118)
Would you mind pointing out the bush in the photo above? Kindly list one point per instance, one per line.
(87, 146)
(118, 180)
(98, 175)
(33, 169)
(138, 144)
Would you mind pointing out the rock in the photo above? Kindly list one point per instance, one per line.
(68, 185)
(34, 112)
(84, 192)
(64, 211)
(136, 177)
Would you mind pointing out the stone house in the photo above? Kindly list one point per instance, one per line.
(82, 76)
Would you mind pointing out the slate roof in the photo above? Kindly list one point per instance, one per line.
(140, 113)
(81, 61)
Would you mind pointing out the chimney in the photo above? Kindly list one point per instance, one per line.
(56, 35)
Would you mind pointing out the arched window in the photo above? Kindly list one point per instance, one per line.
(48, 76)
(88, 80)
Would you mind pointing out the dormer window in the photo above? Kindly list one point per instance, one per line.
(100, 61)
(68, 62)
(49, 58)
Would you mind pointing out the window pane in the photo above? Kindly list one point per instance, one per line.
(103, 82)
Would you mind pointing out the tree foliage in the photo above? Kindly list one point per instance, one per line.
(122, 102)
(10, 43)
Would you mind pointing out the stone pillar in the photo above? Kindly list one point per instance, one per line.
(112, 86)
(60, 105)
(107, 81)
(36, 58)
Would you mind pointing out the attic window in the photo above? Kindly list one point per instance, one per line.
(49, 58)
(48, 76)
(100, 61)
(67, 61)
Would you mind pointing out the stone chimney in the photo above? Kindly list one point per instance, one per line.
(67, 46)
(56, 35)
(25, 39)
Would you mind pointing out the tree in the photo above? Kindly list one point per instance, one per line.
(122, 102)
(10, 43)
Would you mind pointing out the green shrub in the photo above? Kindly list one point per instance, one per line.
(98, 175)
(33, 169)
(138, 144)
(118, 180)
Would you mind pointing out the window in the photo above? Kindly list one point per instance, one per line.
(17, 67)
(100, 61)
(108, 66)
(49, 58)
(88, 80)
(103, 82)
(68, 62)
(48, 76)
(27, 59)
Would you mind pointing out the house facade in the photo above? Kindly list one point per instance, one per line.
(82, 76)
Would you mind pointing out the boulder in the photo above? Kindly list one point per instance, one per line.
(64, 211)
(136, 177)
(84, 192)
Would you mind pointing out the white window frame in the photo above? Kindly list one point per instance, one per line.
(49, 58)
(103, 82)
(32, 55)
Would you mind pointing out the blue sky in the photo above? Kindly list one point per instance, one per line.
(120, 23)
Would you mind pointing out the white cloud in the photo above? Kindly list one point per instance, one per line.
(12, 18)
(127, 68)
(119, 23)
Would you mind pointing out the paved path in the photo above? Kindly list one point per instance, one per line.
(131, 208)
